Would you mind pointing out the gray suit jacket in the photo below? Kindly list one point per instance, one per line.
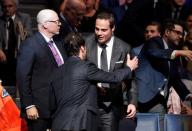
(22, 24)
(119, 54)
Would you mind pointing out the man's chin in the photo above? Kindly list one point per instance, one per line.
(57, 33)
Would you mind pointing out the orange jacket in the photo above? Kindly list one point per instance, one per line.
(10, 114)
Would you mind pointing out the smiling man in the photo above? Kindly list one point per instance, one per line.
(109, 53)
(162, 54)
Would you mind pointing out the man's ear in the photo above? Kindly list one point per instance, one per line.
(167, 32)
(82, 48)
(44, 25)
(113, 29)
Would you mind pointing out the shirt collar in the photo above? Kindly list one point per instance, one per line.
(110, 42)
(46, 38)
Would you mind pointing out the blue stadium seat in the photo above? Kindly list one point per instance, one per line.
(147, 122)
(177, 122)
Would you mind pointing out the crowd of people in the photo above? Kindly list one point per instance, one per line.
(92, 64)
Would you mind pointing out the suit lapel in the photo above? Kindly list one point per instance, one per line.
(93, 53)
(115, 55)
(43, 43)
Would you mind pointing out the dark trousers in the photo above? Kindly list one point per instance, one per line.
(106, 121)
(8, 72)
(39, 124)
(126, 124)
(115, 120)
(156, 105)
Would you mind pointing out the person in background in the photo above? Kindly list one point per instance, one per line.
(88, 21)
(76, 95)
(70, 16)
(189, 22)
(119, 101)
(15, 27)
(40, 60)
(162, 53)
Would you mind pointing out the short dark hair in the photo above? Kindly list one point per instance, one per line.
(107, 15)
(73, 42)
(170, 25)
(155, 23)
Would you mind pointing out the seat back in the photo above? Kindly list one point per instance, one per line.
(177, 122)
(147, 122)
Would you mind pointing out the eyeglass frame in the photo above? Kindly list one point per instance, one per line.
(177, 32)
(58, 22)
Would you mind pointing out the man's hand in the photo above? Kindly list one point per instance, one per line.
(132, 64)
(32, 113)
(185, 53)
(131, 111)
(2, 56)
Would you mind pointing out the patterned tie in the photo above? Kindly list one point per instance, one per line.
(104, 65)
(55, 53)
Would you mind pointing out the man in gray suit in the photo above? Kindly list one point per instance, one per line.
(75, 92)
(14, 28)
(110, 100)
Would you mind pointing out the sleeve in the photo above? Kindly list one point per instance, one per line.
(98, 75)
(24, 71)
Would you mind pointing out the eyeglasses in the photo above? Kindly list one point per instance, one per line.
(55, 21)
(177, 32)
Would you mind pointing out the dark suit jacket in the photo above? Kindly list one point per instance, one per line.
(148, 80)
(119, 54)
(36, 67)
(78, 95)
(158, 57)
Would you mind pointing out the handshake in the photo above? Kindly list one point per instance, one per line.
(132, 63)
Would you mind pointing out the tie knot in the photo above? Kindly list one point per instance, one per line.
(10, 20)
(103, 46)
(50, 42)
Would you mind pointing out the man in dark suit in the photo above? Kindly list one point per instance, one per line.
(162, 56)
(40, 59)
(148, 80)
(70, 16)
(15, 26)
(77, 97)
(110, 100)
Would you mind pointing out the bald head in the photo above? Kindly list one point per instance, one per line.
(48, 22)
(46, 15)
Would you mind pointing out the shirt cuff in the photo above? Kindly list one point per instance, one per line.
(29, 106)
(173, 55)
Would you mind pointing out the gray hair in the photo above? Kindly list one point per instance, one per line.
(45, 15)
